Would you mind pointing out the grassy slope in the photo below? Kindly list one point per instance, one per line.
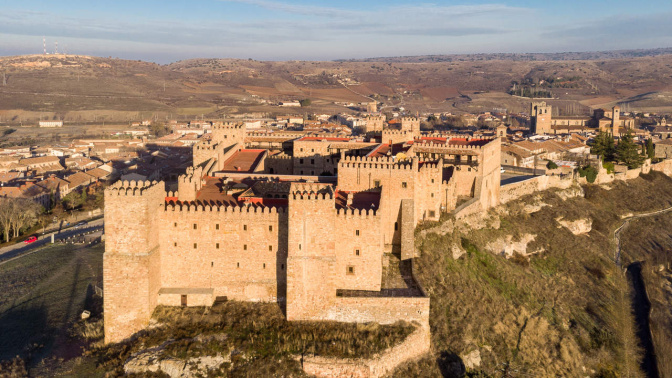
(41, 295)
(564, 311)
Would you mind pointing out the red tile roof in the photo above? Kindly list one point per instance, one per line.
(243, 161)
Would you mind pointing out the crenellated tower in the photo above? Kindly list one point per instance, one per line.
(131, 268)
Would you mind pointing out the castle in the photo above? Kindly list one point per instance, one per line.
(611, 121)
(310, 231)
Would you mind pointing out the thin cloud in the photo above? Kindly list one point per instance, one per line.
(305, 10)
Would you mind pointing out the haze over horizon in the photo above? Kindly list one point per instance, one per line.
(318, 30)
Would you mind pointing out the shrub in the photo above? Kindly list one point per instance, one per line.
(551, 165)
(589, 172)
(609, 166)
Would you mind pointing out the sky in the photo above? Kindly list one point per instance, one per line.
(167, 31)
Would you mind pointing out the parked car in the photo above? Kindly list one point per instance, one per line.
(502, 170)
(31, 239)
(80, 224)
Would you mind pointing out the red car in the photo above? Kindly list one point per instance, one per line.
(31, 239)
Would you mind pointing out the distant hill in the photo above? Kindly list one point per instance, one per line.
(87, 89)
(525, 57)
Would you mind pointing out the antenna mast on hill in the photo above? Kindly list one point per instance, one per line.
(44, 45)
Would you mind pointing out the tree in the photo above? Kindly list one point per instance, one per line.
(17, 214)
(159, 129)
(650, 149)
(551, 165)
(305, 102)
(626, 152)
(74, 200)
(603, 145)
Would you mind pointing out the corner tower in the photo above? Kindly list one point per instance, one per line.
(131, 265)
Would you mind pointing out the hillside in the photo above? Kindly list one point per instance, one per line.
(81, 88)
(564, 310)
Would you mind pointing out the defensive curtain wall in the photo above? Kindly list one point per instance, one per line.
(316, 250)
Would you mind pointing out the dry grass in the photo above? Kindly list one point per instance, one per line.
(650, 240)
(568, 310)
(257, 336)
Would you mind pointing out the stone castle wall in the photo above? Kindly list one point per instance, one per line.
(415, 346)
(238, 251)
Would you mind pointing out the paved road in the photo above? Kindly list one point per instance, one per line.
(18, 249)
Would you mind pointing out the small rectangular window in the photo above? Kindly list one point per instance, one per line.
(404, 184)
(244, 247)
(312, 161)
(432, 195)
(270, 228)
(175, 224)
(264, 265)
(237, 265)
(356, 232)
(299, 247)
(217, 245)
(432, 214)
(270, 248)
(244, 227)
(217, 226)
(356, 252)
(351, 270)
(195, 245)
(282, 266)
(376, 183)
(195, 226)
(175, 244)
(432, 181)
(300, 161)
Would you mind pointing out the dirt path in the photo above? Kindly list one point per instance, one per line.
(626, 222)
(640, 304)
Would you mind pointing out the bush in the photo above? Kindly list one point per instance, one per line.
(305, 102)
(589, 172)
(551, 165)
(609, 166)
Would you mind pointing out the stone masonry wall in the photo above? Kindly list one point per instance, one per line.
(415, 346)
(239, 252)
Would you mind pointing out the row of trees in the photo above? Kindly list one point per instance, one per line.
(17, 215)
(626, 151)
(20, 214)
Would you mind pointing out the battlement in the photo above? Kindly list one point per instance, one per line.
(429, 166)
(396, 132)
(348, 213)
(228, 126)
(280, 157)
(311, 191)
(192, 174)
(207, 145)
(410, 119)
(197, 206)
(132, 188)
(378, 162)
